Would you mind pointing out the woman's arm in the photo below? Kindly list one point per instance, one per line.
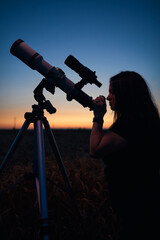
(102, 145)
(95, 137)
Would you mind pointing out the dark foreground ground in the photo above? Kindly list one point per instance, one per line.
(19, 212)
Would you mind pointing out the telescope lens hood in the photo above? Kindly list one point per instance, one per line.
(14, 46)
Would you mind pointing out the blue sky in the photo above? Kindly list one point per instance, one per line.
(106, 36)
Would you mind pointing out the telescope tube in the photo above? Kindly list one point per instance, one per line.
(54, 75)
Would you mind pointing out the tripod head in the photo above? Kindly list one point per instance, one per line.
(40, 98)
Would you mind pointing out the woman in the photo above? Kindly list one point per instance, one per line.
(130, 152)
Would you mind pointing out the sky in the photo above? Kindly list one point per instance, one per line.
(106, 36)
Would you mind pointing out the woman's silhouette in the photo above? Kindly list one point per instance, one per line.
(130, 150)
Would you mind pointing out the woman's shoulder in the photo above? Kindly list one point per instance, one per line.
(129, 125)
(128, 119)
(134, 116)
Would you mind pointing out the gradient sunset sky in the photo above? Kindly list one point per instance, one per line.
(106, 36)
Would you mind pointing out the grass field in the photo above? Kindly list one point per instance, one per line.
(19, 212)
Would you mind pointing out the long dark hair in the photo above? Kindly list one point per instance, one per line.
(132, 94)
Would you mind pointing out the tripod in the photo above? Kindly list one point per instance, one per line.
(37, 117)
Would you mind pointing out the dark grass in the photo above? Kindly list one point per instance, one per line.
(19, 213)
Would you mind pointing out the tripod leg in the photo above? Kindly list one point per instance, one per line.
(35, 169)
(60, 164)
(57, 154)
(41, 191)
(14, 144)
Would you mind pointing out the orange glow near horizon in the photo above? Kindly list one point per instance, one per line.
(76, 118)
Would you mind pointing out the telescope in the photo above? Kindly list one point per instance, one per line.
(55, 77)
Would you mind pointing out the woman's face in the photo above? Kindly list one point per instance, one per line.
(111, 98)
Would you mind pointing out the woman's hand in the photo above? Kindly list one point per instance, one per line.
(99, 107)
